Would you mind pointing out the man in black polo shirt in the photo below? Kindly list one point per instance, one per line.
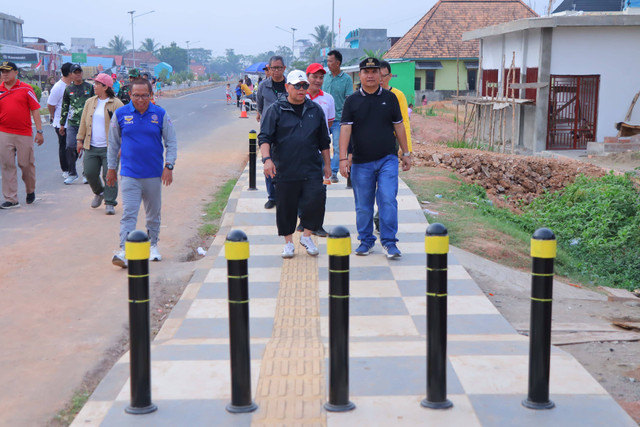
(370, 117)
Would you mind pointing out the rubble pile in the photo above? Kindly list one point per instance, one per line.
(509, 179)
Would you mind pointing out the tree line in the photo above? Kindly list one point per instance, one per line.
(231, 62)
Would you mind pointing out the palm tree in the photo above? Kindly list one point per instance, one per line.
(369, 53)
(118, 45)
(149, 45)
(323, 36)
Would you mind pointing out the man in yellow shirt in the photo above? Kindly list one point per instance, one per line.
(385, 73)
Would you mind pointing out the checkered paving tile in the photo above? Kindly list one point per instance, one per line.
(487, 361)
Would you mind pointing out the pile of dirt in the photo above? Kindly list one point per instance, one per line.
(509, 179)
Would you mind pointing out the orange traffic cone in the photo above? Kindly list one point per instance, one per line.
(243, 112)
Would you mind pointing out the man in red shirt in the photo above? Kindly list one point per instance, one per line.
(18, 103)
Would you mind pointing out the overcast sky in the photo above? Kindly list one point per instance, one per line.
(247, 26)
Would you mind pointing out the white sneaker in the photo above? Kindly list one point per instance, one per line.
(65, 175)
(307, 242)
(71, 179)
(84, 180)
(289, 250)
(119, 259)
(155, 254)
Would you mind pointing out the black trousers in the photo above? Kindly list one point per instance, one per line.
(308, 196)
(62, 151)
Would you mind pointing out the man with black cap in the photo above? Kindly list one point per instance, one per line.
(124, 92)
(18, 104)
(73, 100)
(372, 120)
(294, 141)
(54, 103)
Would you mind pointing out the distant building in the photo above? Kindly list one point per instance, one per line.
(300, 46)
(82, 44)
(371, 39)
(145, 61)
(591, 6)
(444, 63)
(12, 44)
(10, 30)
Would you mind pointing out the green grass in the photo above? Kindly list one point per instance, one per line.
(65, 417)
(596, 222)
(213, 210)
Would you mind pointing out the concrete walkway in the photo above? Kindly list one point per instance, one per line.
(487, 360)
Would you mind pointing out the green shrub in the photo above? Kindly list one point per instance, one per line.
(37, 90)
(596, 222)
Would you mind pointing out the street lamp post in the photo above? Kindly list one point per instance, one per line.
(133, 43)
(293, 37)
(189, 59)
(333, 30)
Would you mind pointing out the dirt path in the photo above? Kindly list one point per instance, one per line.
(65, 316)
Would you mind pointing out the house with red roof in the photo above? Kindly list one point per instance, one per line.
(441, 62)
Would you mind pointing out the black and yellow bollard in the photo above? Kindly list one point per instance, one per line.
(253, 148)
(137, 249)
(543, 253)
(436, 245)
(339, 249)
(236, 249)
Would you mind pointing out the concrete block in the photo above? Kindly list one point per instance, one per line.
(622, 295)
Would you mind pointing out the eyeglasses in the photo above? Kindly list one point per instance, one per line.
(145, 96)
(276, 68)
(385, 75)
(301, 85)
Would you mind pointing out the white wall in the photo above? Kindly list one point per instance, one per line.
(492, 53)
(611, 52)
(533, 49)
(492, 49)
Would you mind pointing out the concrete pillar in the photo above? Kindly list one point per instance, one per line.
(542, 100)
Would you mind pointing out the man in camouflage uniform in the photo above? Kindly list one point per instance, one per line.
(123, 93)
(75, 95)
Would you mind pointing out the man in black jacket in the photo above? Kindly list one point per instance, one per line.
(294, 141)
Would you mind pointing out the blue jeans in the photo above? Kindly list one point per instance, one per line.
(271, 189)
(335, 160)
(376, 180)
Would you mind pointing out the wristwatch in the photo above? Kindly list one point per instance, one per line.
(169, 166)
(264, 159)
(408, 154)
(40, 132)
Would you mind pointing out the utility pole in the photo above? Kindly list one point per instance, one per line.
(333, 30)
(133, 42)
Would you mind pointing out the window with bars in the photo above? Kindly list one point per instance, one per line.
(431, 80)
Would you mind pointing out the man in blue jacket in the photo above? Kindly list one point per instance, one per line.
(137, 131)
(294, 141)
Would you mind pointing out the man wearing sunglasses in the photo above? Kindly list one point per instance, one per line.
(269, 91)
(294, 141)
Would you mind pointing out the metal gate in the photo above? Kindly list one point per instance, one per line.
(573, 112)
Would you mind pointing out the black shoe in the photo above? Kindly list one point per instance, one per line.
(9, 205)
(300, 228)
(320, 232)
(270, 204)
(31, 197)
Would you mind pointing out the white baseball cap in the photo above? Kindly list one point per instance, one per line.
(296, 76)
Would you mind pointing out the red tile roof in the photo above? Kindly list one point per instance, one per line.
(438, 34)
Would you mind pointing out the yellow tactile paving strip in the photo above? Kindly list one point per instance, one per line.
(291, 387)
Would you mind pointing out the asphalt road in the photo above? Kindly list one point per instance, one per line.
(64, 305)
(191, 115)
